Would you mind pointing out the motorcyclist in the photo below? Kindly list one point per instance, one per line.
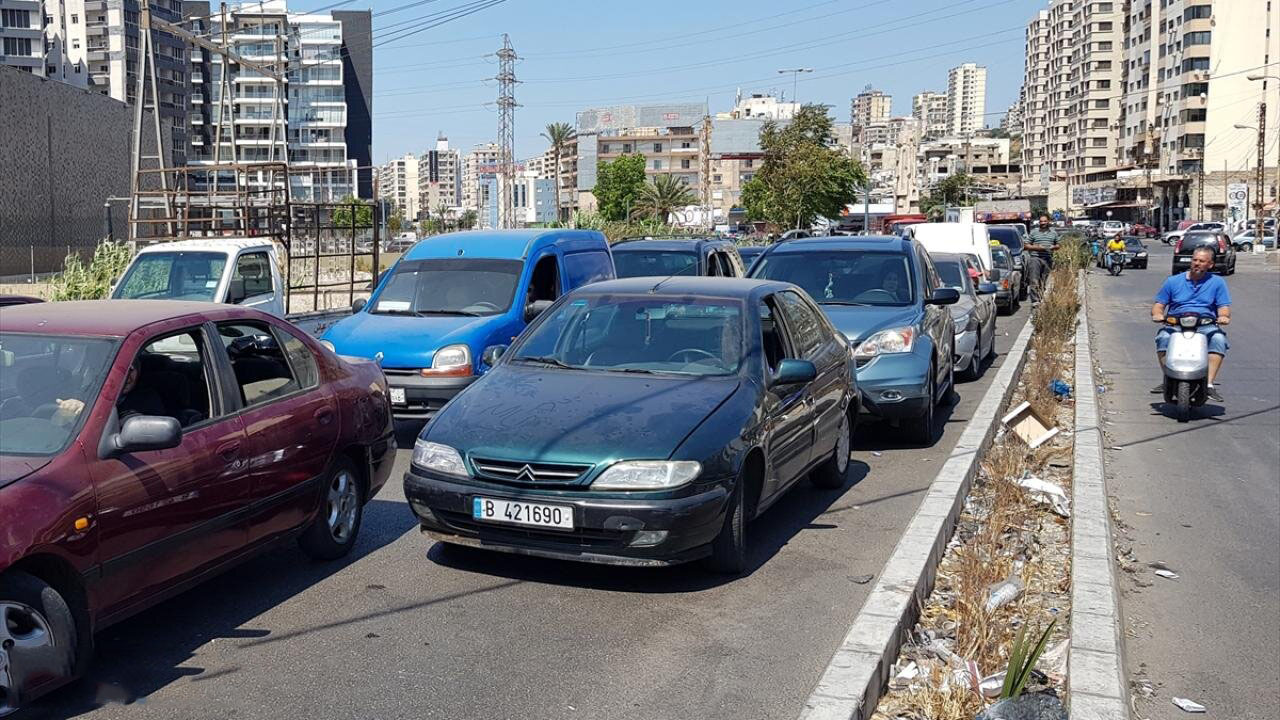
(1040, 244)
(1114, 245)
(1200, 292)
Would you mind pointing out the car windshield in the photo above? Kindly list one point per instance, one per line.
(647, 263)
(849, 277)
(47, 386)
(449, 286)
(1008, 237)
(610, 333)
(172, 276)
(1133, 243)
(952, 273)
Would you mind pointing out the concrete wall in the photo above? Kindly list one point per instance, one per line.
(63, 152)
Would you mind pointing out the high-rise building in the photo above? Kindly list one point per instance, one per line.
(398, 184)
(930, 110)
(1011, 123)
(1035, 104)
(871, 106)
(439, 178)
(479, 167)
(21, 38)
(318, 118)
(966, 99)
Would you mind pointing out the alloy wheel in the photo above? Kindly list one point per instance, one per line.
(23, 630)
(842, 446)
(342, 505)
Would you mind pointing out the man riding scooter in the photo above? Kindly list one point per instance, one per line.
(1195, 292)
(1115, 252)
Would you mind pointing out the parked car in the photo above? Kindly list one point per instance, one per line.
(453, 295)
(1244, 241)
(7, 300)
(959, 238)
(400, 244)
(1009, 285)
(749, 253)
(654, 419)
(244, 272)
(884, 294)
(1224, 260)
(795, 234)
(1111, 228)
(649, 256)
(1136, 251)
(145, 446)
(1143, 230)
(974, 316)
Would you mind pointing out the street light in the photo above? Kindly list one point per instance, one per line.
(795, 74)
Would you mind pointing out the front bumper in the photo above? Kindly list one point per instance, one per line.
(609, 530)
(895, 386)
(966, 344)
(424, 397)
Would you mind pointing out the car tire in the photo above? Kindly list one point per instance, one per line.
(34, 614)
(1022, 292)
(830, 474)
(729, 548)
(1245, 248)
(336, 526)
(920, 429)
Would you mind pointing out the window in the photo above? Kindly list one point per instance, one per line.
(582, 268)
(300, 359)
(1195, 63)
(170, 378)
(1197, 38)
(1198, 12)
(15, 18)
(657, 147)
(803, 324)
(74, 18)
(715, 178)
(17, 46)
(685, 163)
(252, 277)
(626, 147)
(657, 164)
(261, 369)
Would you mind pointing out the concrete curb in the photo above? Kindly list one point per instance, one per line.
(851, 685)
(1095, 668)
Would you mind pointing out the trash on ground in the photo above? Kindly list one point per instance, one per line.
(1167, 574)
(991, 685)
(1032, 706)
(1061, 390)
(1102, 389)
(862, 579)
(1047, 493)
(1190, 706)
(1027, 424)
(1003, 593)
(905, 676)
(877, 453)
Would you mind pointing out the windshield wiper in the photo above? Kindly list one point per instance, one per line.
(546, 360)
(850, 303)
(633, 370)
(409, 313)
(468, 313)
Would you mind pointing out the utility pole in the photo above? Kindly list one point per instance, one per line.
(1200, 182)
(1262, 148)
(506, 131)
(706, 169)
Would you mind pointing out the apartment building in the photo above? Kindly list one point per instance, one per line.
(966, 99)
(398, 184)
(21, 37)
(668, 136)
(760, 105)
(1035, 105)
(871, 106)
(544, 166)
(478, 167)
(930, 110)
(439, 178)
(1011, 123)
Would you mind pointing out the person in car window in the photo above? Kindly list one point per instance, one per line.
(894, 284)
(133, 401)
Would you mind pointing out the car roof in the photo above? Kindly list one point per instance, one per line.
(948, 258)
(666, 243)
(685, 286)
(209, 245)
(113, 318)
(502, 244)
(843, 242)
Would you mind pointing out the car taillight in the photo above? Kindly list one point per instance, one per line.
(1222, 244)
(1177, 247)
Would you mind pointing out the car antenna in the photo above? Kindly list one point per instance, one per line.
(654, 289)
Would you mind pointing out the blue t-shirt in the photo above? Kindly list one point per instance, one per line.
(1181, 295)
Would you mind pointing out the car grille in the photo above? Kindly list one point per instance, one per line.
(517, 472)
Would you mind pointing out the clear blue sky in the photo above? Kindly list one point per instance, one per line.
(584, 53)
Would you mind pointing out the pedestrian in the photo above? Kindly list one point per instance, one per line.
(1040, 244)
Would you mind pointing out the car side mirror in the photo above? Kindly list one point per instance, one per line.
(492, 354)
(986, 288)
(791, 371)
(358, 305)
(536, 308)
(147, 432)
(944, 296)
(993, 274)
(235, 292)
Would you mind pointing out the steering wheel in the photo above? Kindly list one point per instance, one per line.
(482, 305)
(693, 351)
(876, 293)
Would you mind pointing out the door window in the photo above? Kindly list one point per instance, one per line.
(252, 277)
(803, 325)
(301, 361)
(170, 377)
(772, 337)
(583, 268)
(544, 283)
(261, 370)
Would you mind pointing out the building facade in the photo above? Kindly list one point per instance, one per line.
(479, 167)
(966, 99)
(668, 136)
(439, 179)
(21, 36)
(1036, 171)
(871, 106)
(760, 105)
(398, 184)
(930, 110)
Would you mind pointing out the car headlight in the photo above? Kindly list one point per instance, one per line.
(1142, 254)
(885, 342)
(970, 322)
(440, 458)
(328, 346)
(647, 475)
(450, 360)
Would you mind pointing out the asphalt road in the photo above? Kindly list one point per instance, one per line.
(1202, 497)
(405, 629)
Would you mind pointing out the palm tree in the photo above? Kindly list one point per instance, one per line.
(559, 135)
(663, 196)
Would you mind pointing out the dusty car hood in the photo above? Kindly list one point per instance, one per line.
(16, 467)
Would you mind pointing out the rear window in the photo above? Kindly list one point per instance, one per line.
(1008, 237)
(1197, 238)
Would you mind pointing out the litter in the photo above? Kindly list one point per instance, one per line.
(1167, 574)
(862, 579)
(905, 676)
(1060, 389)
(992, 685)
(1102, 389)
(877, 453)
(1003, 593)
(1190, 706)
(1027, 424)
(1047, 493)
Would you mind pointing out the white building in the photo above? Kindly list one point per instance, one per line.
(1036, 171)
(871, 106)
(930, 110)
(21, 38)
(760, 105)
(478, 166)
(439, 178)
(398, 184)
(966, 99)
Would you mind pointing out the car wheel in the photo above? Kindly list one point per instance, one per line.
(38, 649)
(333, 532)
(729, 549)
(920, 429)
(1022, 291)
(1246, 247)
(830, 474)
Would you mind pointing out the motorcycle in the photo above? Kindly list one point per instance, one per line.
(1186, 364)
(1115, 262)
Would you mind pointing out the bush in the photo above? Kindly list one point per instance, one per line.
(93, 281)
(615, 230)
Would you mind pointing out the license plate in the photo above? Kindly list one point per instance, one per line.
(397, 396)
(514, 512)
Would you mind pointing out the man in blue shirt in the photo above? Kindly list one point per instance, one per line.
(1197, 291)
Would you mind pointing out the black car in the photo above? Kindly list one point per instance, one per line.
(749, 253)
(1224, 253)
(641, 422)
(1137, 251)
(661, 256)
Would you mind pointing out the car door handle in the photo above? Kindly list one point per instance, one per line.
(229, 451)
(324, 416)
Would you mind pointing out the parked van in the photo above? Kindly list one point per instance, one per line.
(956, 237)
(451, 296)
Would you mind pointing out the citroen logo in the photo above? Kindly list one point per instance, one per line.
(526, 474)
(377, 358)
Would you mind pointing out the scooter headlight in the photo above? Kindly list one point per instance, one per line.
(1188, 321)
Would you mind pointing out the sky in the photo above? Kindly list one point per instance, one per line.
(434, 59)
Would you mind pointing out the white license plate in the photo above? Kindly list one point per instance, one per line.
(514, 512)
(397, 396)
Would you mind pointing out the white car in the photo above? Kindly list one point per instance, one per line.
(1245, 241)
(1112, 228)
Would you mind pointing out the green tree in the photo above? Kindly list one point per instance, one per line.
(559, 135)
(340, 216)
(396, 222)
(802, 177)
(949, 192)
(617, 185)
(468, 220)
(658, 199)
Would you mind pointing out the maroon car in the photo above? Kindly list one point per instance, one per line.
(146, 445)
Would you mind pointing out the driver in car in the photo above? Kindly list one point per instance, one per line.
(1195, 292)
(133, 401)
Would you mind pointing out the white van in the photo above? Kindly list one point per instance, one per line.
(961, 238)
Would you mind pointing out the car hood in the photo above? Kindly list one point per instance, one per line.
(405, 342)
(536, 414)
(858, 323)
(16, 467)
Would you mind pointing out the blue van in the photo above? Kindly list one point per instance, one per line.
(450, 296)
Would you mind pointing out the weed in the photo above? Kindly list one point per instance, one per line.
(79, 281)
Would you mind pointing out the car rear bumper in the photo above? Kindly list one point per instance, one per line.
(638, 531)
(895, 387)
(424, 397)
